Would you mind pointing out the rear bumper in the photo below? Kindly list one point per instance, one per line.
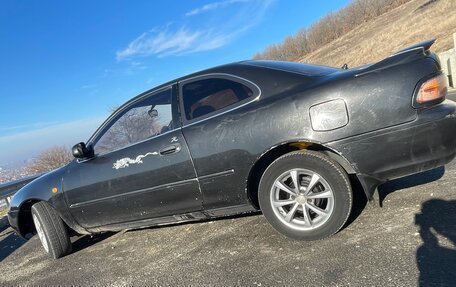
(426, 143)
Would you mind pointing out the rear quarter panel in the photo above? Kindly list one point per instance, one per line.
(236, 139)
(375, 100)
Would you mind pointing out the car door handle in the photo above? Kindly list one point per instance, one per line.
(170, 149)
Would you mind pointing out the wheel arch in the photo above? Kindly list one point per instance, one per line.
(270, 155)
(25, 223)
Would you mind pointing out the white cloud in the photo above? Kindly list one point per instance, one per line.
(134, 67)
(24, 145)
(90, 89)
(212, 6)
(89, 86)
(175, 40)
(168, 42)
(19, 128)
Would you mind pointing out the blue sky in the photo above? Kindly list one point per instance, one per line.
(65, 63)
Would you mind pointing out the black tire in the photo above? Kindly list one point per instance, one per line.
(54, 232)
(331, 174)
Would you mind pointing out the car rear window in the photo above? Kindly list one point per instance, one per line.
(206, 96)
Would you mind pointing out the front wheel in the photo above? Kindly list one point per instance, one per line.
(51, 230)
(305, 195)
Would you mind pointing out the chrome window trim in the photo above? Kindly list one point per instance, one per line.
(187, 123)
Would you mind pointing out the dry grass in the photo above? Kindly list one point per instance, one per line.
(49, 159)
(408, 24)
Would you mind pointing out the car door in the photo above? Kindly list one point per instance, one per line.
(213, 109)
(142, 167)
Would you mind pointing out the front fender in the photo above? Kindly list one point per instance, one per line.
(40, 189)
(47, 187)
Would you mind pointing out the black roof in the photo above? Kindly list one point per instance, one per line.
(294, 67)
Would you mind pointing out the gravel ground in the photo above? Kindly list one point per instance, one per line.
(409, 241)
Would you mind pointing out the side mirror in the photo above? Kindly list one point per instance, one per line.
(80, 150)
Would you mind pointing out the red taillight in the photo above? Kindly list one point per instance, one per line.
(432, 90)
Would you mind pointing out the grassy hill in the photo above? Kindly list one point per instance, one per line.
(412, 22)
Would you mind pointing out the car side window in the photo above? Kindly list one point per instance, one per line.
(146, 118)
(205, 96)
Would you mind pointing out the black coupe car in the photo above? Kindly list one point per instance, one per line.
(279, 137)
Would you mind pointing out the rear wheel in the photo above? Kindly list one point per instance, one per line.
(305, 195)
(51, 230)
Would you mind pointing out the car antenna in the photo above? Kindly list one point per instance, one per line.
(344, 67)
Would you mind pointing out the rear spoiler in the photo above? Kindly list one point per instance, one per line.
(424, 46)
(400, 57)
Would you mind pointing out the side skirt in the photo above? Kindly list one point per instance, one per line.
(174, 219)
